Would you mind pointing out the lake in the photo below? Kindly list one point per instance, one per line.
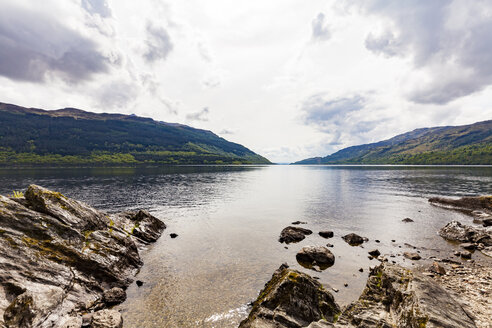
(228, 220)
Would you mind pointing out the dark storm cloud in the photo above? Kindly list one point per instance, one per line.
(158, 42)
(199, 116)
(449, 40)
(321, 32)
(99, 7)
(33, 46)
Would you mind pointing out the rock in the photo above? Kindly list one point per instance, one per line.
(107, 319)
(310, 256)
(374, 253)
(329, 245)
(293, 234)
(412, 256)
(377, 241)
(353, 239)
(468, 246)
(407, 220)
(456, 231)
(487, 251)
(487, 222)
(298, 222)
(482, 203)
(58, 255)
(320, 324)
(326, 234)
(466, 255)
(68, 211)
(436, 268)
(87, 319)
(114, 296)
(72, 322)
(397, 297)
(345, 285)
(291, 299)
(361, 270)
(30, 309)
(139, 283)
(146, 227)
(173, 235)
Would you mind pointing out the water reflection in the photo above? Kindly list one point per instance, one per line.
(229, 218)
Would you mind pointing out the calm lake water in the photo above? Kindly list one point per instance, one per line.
(229, 218)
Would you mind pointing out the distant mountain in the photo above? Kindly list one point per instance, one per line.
(466, 145)
(70, 136)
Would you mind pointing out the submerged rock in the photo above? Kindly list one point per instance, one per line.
(412, 256)
(291, 299)
(310, 256)
(58, 255)
(354, 239)
(374, 253)
(299, 222)
(293, 234)
(326, 234)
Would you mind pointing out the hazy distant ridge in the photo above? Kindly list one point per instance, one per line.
(466, 145)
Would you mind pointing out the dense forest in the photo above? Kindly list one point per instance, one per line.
(449, 145)
(74, 137)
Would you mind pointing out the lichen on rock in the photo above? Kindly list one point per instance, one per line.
(58, 255)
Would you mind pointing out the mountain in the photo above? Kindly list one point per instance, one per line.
(70, 136)
(465, 145)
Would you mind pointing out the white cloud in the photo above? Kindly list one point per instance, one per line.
(291, 79)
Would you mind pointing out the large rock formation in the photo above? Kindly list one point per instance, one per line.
(398, 297)
(455, 231)
(469, 203)
(393, 297)
(291, 299)
(480, 206)
(471, 237)
(58, 256)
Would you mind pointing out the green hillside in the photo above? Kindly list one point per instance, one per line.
(32, 137)
(458, 145)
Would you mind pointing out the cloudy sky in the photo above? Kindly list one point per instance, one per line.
(288, 79)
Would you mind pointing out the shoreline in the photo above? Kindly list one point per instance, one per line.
(470, 278)
(452, 291)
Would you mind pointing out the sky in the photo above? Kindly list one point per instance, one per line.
(287, 79)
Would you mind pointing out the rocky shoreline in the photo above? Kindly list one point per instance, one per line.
(65, 264)
(455, 291)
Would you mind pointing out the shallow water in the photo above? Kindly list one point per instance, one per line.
(229, 218)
